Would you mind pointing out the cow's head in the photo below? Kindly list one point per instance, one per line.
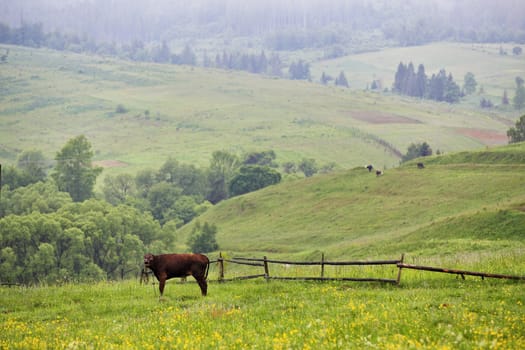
(148, 259)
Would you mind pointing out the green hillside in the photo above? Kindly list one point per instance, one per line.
(49, 97)
(493, 71)
(451, 208)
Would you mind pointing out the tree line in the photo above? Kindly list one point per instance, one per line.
(54, 227)
(442, 87)
(283, 25)
(439, 87)
(32, 35)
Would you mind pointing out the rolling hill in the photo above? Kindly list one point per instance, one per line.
(494, 72)
(136, 115)
(458, 205)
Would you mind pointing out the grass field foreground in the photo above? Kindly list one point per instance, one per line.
(439, 313)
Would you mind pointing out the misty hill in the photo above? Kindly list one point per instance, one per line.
(136, 115)
(459, 204)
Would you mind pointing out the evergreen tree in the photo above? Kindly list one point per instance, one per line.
(162, 53)
(341, 80)
(206, 61)
(452, 91)
(409, 81)
(485, 103)
(519, 98)
(187, 57)
(505, 98)
(399, 78)
(299, 70)
(275, 65)
(469, 84)
(421, 82)
(436, 87)
(262, 64)
(325, 78)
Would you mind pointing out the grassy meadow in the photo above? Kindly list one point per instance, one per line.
(437, 313)
(464, 210)
(461, 209)
(49, 97)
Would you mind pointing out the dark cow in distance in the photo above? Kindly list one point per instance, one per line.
(166, 266)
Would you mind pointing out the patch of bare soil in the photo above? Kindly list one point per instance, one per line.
(488, 137)
(374, 117)
(109, 163)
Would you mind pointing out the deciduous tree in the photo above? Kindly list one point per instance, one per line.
(223, 167)
(252, 178)
(74, 172)
(517, 134)
(417, 150)
(308, 166)
(202, 238)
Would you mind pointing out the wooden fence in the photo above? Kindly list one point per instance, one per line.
(265, 264)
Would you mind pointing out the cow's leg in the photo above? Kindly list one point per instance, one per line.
(204, 286)
(162, 283)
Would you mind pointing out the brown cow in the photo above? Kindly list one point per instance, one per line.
(166, 266)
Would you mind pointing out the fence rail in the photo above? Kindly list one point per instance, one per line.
(462, 273)
(399, 263)
(265, 263)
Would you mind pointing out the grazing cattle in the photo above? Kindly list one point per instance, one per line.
(166, 266)
(369, 167)
(420, 165)
(379, 173)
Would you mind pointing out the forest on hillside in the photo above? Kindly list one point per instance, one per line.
(281, 25)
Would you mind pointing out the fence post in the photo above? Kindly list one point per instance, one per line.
(221, 267)
(322, 265)
(266, 270)
(400, 268)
